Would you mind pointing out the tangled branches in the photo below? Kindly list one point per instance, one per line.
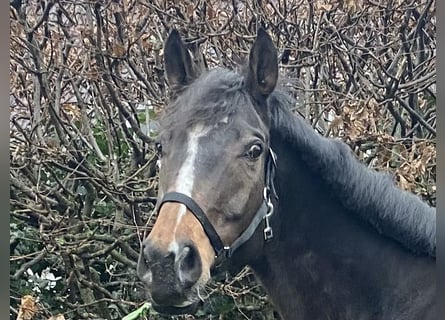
(87, 84)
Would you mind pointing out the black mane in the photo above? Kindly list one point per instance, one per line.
(370, 194)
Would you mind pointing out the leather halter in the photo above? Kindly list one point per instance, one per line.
(264, 212)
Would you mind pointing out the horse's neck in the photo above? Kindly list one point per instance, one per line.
(325, 263)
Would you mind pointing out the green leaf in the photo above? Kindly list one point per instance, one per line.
(140, 312)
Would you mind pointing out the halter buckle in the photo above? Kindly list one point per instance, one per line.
(268, 232)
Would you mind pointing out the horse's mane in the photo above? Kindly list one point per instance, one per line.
(370, 194)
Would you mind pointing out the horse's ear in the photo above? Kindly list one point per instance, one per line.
(178, 63)
(262, 74)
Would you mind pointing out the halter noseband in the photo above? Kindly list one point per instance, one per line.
(264, 212)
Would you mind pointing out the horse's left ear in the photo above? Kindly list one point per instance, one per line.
(262, 74)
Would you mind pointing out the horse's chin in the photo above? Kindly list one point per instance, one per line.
(177, 310)
(186, 302)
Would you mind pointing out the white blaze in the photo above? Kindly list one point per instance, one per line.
(186, 176)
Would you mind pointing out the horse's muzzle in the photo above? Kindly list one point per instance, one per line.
(168, 276)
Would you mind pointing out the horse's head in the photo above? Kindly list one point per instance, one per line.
(215, 174)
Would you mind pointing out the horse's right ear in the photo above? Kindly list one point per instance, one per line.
(178, 63)
(262, 74)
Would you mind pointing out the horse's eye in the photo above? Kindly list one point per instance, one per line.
(254, 151)
(158, 147)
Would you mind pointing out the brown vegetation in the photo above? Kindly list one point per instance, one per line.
(87, 83)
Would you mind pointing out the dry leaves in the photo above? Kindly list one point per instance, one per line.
(28, 308)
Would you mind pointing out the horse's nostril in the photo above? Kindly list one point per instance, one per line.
(188, 265)
(188, 258)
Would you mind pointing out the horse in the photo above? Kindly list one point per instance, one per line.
(243, 180)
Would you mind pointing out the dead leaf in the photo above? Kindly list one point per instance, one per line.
(28, 308)
(119, 49)
(403, 182)
(319, 6)
(352, 6)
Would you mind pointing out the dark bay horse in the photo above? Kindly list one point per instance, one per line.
(244, 181)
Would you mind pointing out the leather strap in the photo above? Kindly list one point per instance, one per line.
(215, 240)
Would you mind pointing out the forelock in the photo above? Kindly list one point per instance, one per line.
(215, 95)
